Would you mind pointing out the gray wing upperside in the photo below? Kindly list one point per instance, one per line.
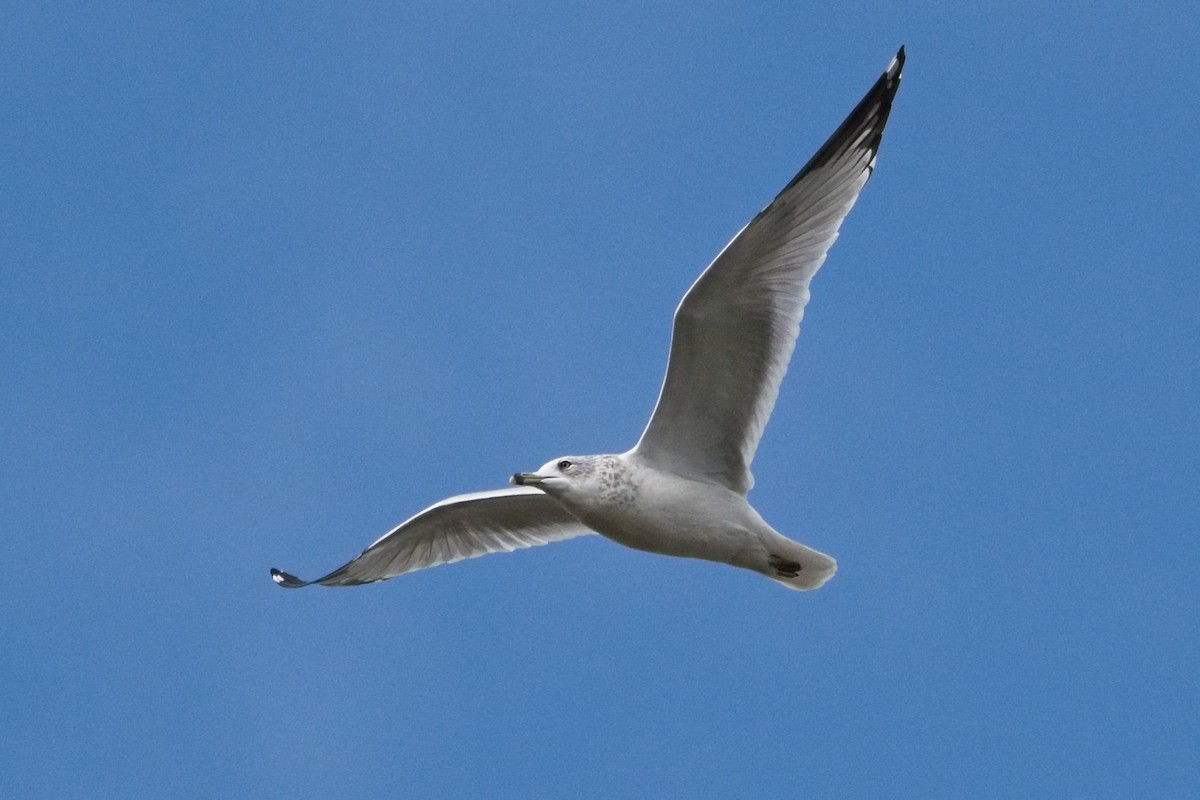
(736, 327)
(459, 527)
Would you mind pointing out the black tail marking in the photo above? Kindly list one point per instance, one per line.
(784, 568)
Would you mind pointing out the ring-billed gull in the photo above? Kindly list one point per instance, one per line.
(681, 490)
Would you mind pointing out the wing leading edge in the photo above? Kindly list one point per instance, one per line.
(736, 327)
(463, 526)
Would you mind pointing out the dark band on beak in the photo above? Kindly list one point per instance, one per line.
(526, 479)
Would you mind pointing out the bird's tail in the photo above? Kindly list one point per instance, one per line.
(796, 566)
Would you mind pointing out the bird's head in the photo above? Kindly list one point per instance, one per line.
(564, 476)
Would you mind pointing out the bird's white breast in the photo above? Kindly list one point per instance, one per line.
(642, 507)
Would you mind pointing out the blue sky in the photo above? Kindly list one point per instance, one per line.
(276, 276)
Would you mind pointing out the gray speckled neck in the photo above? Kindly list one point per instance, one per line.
(617, 486)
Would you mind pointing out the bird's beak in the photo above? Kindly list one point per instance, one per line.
(525, 479)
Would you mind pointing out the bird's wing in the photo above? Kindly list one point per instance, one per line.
(463, 526)
(735, 329)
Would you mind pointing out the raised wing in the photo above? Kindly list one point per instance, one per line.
(735, 329)
(459, 527)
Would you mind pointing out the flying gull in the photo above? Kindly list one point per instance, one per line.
(681, 490)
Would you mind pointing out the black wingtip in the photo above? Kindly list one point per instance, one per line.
(286, 580)
(868, 117)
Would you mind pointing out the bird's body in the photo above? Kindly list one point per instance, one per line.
(681, 490)
(663, 513)
(629, 500)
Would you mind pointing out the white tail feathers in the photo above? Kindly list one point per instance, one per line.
(798, 567)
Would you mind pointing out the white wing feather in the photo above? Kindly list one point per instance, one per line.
(736, 327)
(463, 526)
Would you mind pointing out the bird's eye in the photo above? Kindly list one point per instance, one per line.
(564, 465)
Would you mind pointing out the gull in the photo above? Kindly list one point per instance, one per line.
(681, 490)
